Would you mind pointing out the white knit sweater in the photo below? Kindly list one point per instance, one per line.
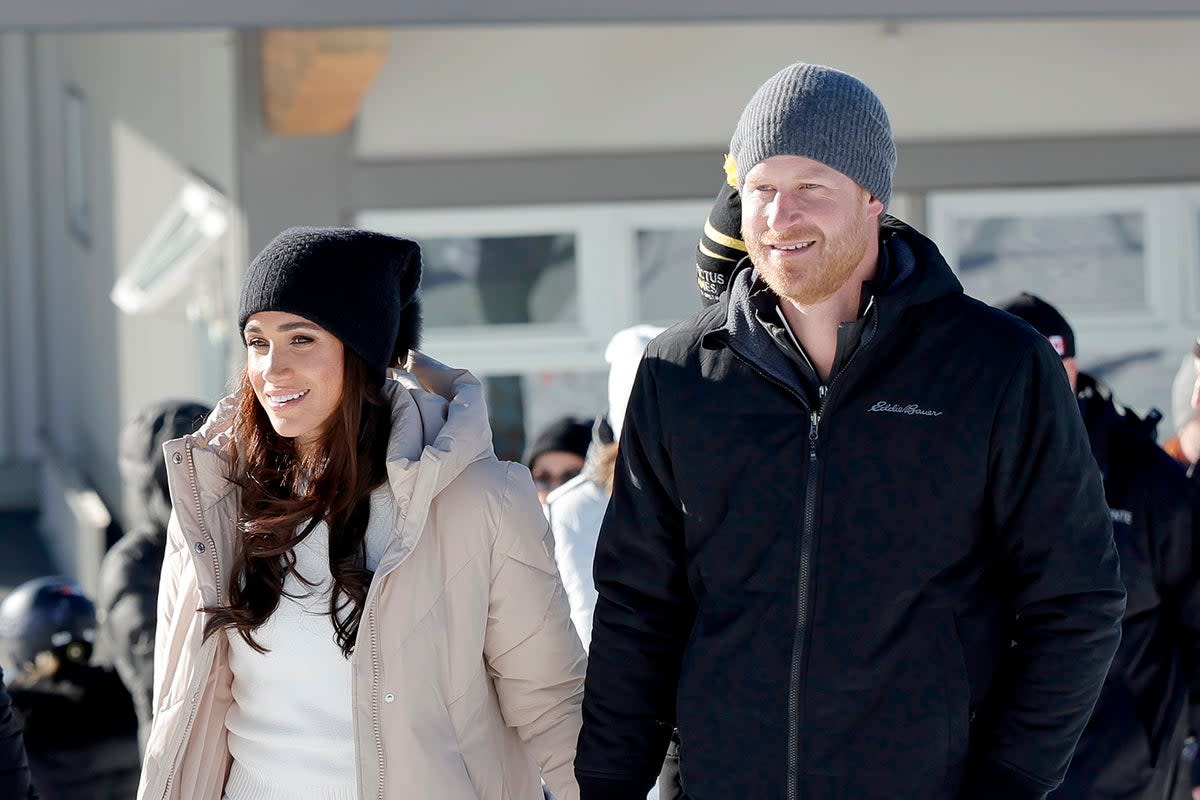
(291, 730)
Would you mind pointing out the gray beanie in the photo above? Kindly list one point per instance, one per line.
(823, 114)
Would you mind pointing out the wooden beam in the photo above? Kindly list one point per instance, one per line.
(314, 81)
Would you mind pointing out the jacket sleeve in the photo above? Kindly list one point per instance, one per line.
(643, 617)
(533, 653)
(14, 767)
(1058, 567)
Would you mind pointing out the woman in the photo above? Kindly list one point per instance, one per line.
(358, 600)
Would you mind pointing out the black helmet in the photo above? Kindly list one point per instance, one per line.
(49, 613)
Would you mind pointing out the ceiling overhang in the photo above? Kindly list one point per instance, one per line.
(315, 79)
(81, 15)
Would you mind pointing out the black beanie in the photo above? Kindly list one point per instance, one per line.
(566, 433)
(1045, 319)
(721, 246)
(361, 286)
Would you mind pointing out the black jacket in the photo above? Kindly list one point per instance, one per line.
(1132, 744)
(14, 767)
(127, 598)
(80, 733)
(910, 592)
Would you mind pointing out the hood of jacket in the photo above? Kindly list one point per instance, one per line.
(912, 272)
(439, 427)
(143, 473)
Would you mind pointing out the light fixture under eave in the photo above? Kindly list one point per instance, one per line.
(189, 231)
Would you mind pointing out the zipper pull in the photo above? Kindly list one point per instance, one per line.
(816, 414)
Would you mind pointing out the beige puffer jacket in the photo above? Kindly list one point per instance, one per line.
(468, 675)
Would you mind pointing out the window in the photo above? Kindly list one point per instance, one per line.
(1111, 260)
(1191, 228)
(527, 297)
(75, 165)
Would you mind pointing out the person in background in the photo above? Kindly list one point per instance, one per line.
(80, 726)
(720, 251)
(14, 764)
(1184, 446)
(1133, 743)
(576, 508)
(127, 598)
(358, 599)
(557, 453)
(857, 546)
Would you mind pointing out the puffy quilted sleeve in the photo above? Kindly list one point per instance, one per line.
(534, 655)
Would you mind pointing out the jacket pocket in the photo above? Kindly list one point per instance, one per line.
(885, 703)
(478, 728)
(959, 711)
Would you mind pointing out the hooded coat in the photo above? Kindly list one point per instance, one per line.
(901, 586)
(467, 674)
(1132, 744)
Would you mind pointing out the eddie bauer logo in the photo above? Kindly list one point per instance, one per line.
(911, 410)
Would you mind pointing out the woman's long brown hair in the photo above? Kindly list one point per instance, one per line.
(285, 494)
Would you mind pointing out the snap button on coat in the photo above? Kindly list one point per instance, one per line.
(199, 547)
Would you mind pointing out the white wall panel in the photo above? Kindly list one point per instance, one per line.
(489, 91)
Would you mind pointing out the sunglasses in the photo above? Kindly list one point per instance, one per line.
(547, 481)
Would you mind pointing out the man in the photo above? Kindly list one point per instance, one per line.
(1133, 743)
(720, 248)
(857, 546)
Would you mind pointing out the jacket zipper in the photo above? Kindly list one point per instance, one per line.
(807, 537)
(808, 534)
(807, 542)
(375, 725)
(194, 689)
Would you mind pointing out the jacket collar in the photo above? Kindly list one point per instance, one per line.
(439, 417)
(439, 427)
(916, 273)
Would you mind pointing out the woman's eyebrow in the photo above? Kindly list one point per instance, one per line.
(254, 327)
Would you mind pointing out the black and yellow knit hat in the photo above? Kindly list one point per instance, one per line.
(721, 246)
(361, 286)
